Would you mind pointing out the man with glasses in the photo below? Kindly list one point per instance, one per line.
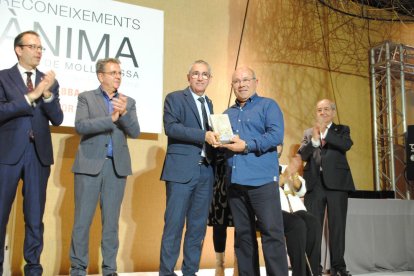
(328, 178)
(104, 119)
(29, 100)
(252, 161)
(187, 171)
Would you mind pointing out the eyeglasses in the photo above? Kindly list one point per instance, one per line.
(196, 75)
(113, 73)
(33, 47)
(241, 82)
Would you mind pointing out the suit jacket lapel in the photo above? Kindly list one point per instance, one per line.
(39, 76)
(190, 100)
(17, 79)
(334, 127)
(210, 105)
(100, 101)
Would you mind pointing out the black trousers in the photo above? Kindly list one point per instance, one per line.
(336, 203)
(303, 236)
(247, 204)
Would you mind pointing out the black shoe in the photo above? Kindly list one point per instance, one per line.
(112, 274)
(340, 272)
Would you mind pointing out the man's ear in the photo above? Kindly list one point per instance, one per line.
(99, 75)
(18, 50)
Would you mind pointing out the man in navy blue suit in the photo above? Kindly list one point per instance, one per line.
(187, 171)
(29, 100)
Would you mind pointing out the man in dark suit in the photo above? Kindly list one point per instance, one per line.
(187, 171)
(104, 118)
(328, 178)
(26, 145)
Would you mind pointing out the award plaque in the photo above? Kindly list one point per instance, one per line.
(221, 124)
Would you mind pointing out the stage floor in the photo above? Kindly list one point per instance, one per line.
(229, 272)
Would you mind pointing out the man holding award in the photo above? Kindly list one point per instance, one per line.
(253, 174)
(187, 171)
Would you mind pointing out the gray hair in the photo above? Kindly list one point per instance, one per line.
(200, 61)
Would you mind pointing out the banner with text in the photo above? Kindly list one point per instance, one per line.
(77, 33)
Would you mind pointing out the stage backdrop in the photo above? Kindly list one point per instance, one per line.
(77, 33)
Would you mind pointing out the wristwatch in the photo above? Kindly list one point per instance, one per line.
(246, 149)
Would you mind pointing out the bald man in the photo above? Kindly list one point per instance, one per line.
(253, 172)
(328, 178)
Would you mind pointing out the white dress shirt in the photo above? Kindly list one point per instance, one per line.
(287, 197)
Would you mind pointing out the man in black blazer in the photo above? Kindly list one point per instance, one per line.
(29, 100)
(187, 171)
(328, 178)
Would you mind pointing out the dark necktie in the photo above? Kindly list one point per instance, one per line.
(208, 149)
(30, 88)
(204, 113)
(29, 82)
(319, 152)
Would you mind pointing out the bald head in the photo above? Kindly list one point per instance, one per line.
(328, 102)
(244, 83)
(244, 69)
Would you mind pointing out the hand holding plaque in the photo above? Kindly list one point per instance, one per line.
(221, 124)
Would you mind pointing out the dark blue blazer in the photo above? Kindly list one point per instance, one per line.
(17, 118)
(182, 125)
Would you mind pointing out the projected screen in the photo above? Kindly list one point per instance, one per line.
(77, 33)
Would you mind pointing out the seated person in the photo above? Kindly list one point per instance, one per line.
(302, 230)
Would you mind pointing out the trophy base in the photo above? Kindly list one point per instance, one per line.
(226, 139)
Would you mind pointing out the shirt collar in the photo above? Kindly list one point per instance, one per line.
(195, 96)
(106, 94)
(23, 71)
(326, 131)
(250, 99)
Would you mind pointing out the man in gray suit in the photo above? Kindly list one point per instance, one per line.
(104, 118)
(187, 171)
